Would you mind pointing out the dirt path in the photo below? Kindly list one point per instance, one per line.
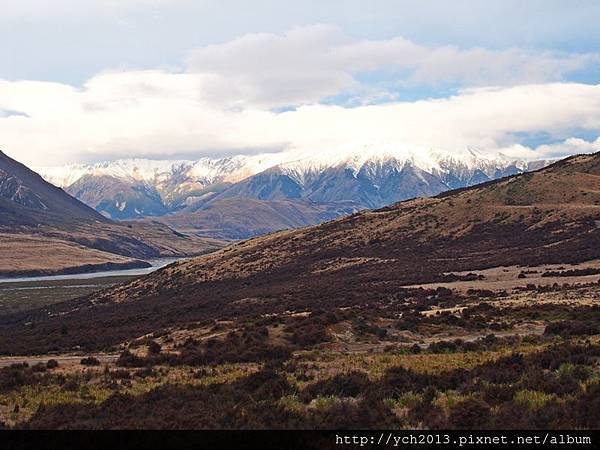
(6, 361)
(528, 329)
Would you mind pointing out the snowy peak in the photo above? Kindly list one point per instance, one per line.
(297, 164)
(131, 169)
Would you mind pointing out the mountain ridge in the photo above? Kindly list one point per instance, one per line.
(27, 198)
(366, 178)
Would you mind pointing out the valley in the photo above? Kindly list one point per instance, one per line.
(299, 225)
(477, 308)
(45, 231)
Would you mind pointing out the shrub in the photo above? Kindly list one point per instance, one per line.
(120, 374)
(398, 380)
(496, 394)
(90, 361)
(471, 413)
(550, 383)
(145, 372)
(349, 384)
(532, 400)
(576, 371)
(248, 346)
(154, 348)
(265, 384)
(39, 367)
(15, 376)
(128, 359)
(52, 364)
(567, 328)
(585, 407)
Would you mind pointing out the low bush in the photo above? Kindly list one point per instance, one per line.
(52, 364)
(90, 361)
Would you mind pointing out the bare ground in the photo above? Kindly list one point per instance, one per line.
(506, 278)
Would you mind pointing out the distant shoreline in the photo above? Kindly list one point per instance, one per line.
(74, 270)
(132, 268)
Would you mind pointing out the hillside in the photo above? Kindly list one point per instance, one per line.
(26, 199)
(243, 218)
(541, 217)
(548, 216)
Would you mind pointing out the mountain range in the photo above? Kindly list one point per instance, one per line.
(218, 197)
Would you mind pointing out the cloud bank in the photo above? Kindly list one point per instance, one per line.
(160, 115)
(307, 64)
(267, 92)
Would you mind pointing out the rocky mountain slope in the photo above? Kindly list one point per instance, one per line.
(135, 188)
(26, 199)
(372, 179)
(118, 199)
(547, 216)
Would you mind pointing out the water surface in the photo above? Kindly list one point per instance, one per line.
(156, 264)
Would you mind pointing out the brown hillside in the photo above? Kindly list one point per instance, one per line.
(241, 218)
(546, 216)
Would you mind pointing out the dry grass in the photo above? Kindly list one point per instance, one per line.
(322, 365)
(24, 253)
(95, 385)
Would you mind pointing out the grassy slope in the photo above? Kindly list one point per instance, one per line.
(31, 255)
(92, 246)
(244, 218)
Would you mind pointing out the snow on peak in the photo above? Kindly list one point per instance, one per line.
(375, 157)
(300, 165)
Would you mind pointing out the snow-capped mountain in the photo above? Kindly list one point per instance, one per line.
(129, 188)
(367, 177)
(162, 172)
(373, 179)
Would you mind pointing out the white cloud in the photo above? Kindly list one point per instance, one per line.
(161, 114)
(568, 147)
(484, 118)
(306, 64)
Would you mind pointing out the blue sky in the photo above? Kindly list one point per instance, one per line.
(72, 42)
(235, 67)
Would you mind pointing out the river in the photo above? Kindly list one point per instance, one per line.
(156, 264)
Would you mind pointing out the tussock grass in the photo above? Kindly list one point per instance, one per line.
(533, 400)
